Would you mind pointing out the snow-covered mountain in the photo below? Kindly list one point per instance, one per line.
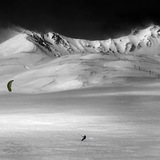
(60, 45)
(52, 62)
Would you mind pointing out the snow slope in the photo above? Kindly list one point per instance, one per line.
(52, 62)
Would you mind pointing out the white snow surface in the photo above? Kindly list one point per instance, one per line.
(52, 62)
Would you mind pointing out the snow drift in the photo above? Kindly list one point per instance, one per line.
(51, 62)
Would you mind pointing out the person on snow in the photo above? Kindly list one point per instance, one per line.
(83, 137)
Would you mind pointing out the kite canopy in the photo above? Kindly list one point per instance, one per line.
(9, 85)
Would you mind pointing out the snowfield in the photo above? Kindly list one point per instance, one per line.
(50, 125)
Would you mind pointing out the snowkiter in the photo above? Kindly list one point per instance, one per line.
(83, 137)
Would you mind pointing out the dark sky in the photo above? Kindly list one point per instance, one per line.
(80, 19)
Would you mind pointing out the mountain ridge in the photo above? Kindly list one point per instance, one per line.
(123, 45)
